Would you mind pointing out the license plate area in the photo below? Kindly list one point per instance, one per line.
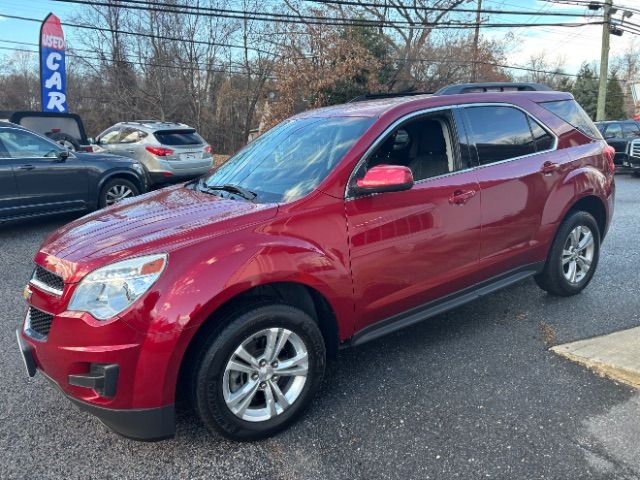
(188, 157)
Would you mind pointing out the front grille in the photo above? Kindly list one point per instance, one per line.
(50, 281)
(38, 322)
(635, 148)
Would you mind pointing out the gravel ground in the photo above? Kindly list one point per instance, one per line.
(473, 393)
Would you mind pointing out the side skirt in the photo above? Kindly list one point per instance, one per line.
(435, 307)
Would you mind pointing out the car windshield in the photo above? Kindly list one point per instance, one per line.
(291, 159)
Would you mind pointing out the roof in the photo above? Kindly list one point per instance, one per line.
(154, 124)
(376, 108)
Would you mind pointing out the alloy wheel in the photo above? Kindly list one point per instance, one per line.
(577, 254)
(265, 374)
(117, 193)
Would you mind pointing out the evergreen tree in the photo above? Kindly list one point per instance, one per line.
(614, 109)
(585, 90)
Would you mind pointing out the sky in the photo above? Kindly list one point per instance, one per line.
(573, 46)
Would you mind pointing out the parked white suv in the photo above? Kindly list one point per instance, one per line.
(170, 152)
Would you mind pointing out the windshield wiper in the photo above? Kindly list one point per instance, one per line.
(231, 188)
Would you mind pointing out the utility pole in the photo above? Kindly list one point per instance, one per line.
(476, 39)
(604, 61)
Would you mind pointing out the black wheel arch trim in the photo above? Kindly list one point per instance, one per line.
(130, 175)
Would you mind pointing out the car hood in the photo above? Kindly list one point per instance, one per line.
(159, 221)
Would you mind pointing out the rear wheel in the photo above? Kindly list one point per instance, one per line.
(256, 376)
(573, 257)
(116, 190)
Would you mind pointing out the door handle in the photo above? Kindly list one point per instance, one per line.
(549, 167)
(26, 167)
(460, 197)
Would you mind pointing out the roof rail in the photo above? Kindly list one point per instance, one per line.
(492, 87)
(377, 96)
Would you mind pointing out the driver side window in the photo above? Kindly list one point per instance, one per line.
(426, 145)
(22, 144)
(110, 136)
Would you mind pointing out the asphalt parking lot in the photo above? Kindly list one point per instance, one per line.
(473, 393)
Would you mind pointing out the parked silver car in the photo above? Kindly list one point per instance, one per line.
(170, 152)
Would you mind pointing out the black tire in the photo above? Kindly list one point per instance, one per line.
(636, 174)
(65, 140)
(103, 200)
(552, 279)
(206, 376)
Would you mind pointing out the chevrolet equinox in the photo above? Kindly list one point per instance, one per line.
(333, 228)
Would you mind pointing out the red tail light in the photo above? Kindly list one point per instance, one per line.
(208, 150)
(159, 151)
(610, 153)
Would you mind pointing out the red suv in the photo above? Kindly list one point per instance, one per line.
(335, 227)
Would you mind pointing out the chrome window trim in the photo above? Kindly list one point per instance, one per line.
(411, 115)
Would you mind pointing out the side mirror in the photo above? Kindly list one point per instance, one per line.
(385, 178)
(63, 155)
(91, 140)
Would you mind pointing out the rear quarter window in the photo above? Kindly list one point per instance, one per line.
(574, 115)
(178, 137)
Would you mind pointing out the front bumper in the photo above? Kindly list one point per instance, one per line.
(632, 162)
(147, 424)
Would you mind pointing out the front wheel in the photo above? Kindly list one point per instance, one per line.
(573, 257)
(257, 375)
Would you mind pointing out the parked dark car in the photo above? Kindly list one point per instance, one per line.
(66, 129)
(619, 134)
(633, 157)
(334, 228)
(39, 177)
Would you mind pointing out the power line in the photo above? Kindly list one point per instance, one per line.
(139, 34)
(420, 8)
(228, 71)
(133, 62)
(146, 5)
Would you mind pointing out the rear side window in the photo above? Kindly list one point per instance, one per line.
(544, 140)
(630, 130)
(499, 133)
(574, 115)
(614, 130)
(178, 137)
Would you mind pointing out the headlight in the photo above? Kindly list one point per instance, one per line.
(107, 291)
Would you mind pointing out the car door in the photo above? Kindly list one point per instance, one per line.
(411, 247)
(518, 166)
(128, 143)
(614, 135)
(45, 180)
(9, 196)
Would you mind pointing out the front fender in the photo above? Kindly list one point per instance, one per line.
(195, 293)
